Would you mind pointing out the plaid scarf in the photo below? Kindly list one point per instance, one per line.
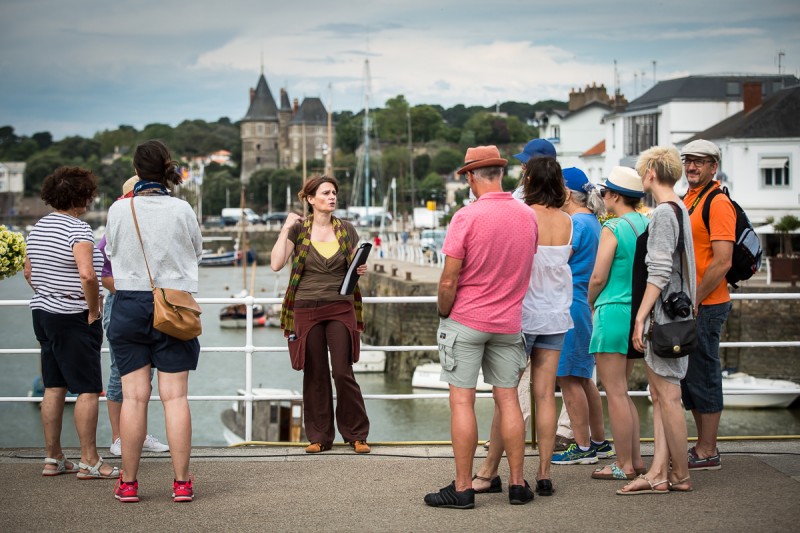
(302, 246)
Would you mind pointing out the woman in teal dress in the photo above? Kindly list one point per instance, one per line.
(610, 297)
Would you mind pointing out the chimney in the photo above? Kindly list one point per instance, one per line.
(295, 106)
(751, 95)
(252, 95)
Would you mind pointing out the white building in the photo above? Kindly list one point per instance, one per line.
(577, 129)
(674, 110)
(12, 177)
(760, 148)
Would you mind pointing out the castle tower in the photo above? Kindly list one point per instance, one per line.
(260, 131)
(309, 122)
(284, 117)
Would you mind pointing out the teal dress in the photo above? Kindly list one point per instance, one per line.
(612, 309)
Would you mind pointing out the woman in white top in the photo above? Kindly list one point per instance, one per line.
(545, 318)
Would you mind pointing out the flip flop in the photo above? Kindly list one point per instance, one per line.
(495, 484)
(651, 490)
(680, 482)
(616, 473)
(61, 467)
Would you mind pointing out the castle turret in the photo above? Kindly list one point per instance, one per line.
(260, 131)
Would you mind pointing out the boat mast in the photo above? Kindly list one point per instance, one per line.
(367, 89)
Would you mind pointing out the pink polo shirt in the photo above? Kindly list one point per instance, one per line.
(496, 238)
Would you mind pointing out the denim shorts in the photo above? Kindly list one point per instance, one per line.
(114, 388)
(553, 341)
(701, 389)
(137, 344)
(464, 351)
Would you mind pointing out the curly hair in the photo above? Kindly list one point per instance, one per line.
(69, 187)
(153, 162)
(311, 186)
(544, 183)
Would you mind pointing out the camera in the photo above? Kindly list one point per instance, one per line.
(677, 304)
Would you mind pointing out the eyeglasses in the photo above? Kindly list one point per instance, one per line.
(698, 163)
(603, 193)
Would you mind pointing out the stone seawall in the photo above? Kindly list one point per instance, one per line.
(415, 324)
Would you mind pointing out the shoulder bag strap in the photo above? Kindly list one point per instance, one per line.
(632, 226)
(136, 223)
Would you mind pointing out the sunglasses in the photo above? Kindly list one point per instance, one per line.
(603, 193)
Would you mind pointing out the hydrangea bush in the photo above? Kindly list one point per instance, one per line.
(12, 252)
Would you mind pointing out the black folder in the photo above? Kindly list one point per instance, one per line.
(351, 278)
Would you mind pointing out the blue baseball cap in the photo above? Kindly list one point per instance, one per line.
(576, 180)
(537, 148)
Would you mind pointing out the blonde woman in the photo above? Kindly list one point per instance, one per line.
(669, 270)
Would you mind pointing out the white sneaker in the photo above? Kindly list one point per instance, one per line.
(151, 444)
(116, 448)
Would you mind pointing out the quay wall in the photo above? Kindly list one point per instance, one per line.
(415, 324)
(750, 320)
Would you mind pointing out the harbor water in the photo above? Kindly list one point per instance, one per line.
(223, 374)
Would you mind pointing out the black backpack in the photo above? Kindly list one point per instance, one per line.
(747, 251)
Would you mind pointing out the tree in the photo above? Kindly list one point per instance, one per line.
(785, 226)
(426, 122)
(431, 187)
(219, 186)
(43, 139)
(422, 165)
(348, 133)
(392, 121)
(446, 161)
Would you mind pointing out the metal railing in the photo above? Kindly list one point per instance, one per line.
(249, 349)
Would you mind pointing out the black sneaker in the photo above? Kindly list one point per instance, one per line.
(544, 487)
(450, 498)
(520, 494)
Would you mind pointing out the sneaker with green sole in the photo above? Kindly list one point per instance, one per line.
(575, 456)
(604, 450)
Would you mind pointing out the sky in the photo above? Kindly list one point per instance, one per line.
(81, 66)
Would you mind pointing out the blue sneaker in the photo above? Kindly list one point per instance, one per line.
(575, 456)
(604, 450)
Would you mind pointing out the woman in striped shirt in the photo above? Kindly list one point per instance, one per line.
(62, 268)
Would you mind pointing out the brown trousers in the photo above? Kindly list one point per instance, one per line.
(318, 411)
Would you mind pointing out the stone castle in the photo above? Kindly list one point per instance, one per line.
(273, 138)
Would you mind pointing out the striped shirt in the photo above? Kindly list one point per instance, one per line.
(54, 272)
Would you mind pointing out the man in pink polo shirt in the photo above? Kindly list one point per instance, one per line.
(489, 252)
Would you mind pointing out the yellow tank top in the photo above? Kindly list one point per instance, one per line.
(326, 249)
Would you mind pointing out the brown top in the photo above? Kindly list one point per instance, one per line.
(322, 277)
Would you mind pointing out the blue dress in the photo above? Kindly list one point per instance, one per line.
(575, 358)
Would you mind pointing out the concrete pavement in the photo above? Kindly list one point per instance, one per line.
(284, 489)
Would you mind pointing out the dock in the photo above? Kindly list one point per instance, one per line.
(280, 488)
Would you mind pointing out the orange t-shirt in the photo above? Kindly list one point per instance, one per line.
(721, 227)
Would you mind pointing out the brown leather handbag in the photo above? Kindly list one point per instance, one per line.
(175, 312)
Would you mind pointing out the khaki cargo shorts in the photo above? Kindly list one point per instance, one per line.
(464, 351)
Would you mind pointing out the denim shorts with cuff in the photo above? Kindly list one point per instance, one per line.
(701, 389)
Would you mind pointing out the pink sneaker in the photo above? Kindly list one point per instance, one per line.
(126, 492)
(182, 491)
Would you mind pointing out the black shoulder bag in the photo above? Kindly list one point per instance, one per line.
(678, 338)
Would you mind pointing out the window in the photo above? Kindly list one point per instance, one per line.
(557, 132)
(774, 171)
(733, 88)
(260, 129)
(641, 132)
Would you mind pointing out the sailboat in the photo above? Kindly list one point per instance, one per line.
(235, 315)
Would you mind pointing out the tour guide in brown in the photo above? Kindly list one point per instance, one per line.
(316, 318)
(489, 252)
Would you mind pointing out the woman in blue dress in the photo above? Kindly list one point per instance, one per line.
(576, 364)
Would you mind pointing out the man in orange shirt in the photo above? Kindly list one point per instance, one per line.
(713, 248)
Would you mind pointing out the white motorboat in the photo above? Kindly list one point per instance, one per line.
(370, 361)
(743, 391)
(278, 419)
(426, 376)
(755, 392)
